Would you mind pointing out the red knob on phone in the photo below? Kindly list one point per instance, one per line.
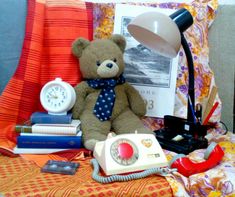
(125, 150)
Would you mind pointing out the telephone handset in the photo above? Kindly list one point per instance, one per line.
(129, 153)
(213, 155)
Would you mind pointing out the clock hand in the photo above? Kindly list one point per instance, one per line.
(52, 95)
(55, 95)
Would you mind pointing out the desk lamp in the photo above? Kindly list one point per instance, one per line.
(164, 35)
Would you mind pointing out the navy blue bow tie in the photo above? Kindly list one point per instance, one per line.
(105, 101)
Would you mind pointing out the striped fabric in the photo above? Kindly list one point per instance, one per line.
(51, 26)
(26, 179)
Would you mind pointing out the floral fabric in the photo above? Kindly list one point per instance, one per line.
(216, 182)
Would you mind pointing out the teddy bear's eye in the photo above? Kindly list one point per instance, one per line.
(98, 63)
(115, 60)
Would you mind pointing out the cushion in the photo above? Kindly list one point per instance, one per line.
(203, 13)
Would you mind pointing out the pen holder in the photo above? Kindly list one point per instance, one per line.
(192, 135)
(182, 126)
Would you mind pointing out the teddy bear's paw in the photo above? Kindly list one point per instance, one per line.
(90, 144)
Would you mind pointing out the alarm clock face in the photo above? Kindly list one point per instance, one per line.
(57, 97)
(124, 152)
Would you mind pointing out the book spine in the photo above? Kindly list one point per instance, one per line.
(23, 128)
(17, 150)
(49, 129)
(79, 133)
(63, 142)
(38, 118)
(66, 130)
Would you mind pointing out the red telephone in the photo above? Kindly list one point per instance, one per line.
(186, 167)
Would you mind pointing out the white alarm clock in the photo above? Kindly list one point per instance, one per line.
(57, 97)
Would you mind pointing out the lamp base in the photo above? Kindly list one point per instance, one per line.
(181, 136)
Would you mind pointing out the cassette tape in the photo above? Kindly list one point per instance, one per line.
(60, 167)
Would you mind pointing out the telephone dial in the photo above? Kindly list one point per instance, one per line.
(129, 153)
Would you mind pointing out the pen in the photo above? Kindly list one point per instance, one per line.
(193, 112)
(199, 112)
(210, 102)
(210, 113)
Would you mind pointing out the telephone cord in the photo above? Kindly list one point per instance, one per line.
(128, 177)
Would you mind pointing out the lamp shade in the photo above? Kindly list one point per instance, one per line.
(156, 31)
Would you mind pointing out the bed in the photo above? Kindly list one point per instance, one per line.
(20, 174)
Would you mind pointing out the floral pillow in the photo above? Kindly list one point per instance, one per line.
(203, 12)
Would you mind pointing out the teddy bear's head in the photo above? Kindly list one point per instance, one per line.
(101, 58)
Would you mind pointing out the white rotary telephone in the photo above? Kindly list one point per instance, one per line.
(129, 153)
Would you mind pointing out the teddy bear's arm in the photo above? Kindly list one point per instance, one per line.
(81, 92)
(136, 102)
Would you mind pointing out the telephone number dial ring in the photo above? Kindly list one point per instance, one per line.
(124, 152)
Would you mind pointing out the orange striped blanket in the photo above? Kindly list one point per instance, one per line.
(51, 26)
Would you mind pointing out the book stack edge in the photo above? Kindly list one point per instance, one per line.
(48, 134)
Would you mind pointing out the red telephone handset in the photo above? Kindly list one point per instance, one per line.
(186, 167)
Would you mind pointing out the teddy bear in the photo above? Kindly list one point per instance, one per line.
(105, 102)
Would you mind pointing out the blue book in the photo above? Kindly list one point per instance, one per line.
(38, 141)
(45, 118)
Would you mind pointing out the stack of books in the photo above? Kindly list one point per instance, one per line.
(48, 133)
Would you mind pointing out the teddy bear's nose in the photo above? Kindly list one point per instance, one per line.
(109, 65)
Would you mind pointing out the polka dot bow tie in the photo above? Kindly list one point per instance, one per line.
(105, 101)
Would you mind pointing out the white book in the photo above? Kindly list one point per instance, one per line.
(17, 150)
(66, 129)
(79, 133)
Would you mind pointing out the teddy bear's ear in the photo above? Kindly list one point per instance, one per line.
(79, 45)
(119, 40)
